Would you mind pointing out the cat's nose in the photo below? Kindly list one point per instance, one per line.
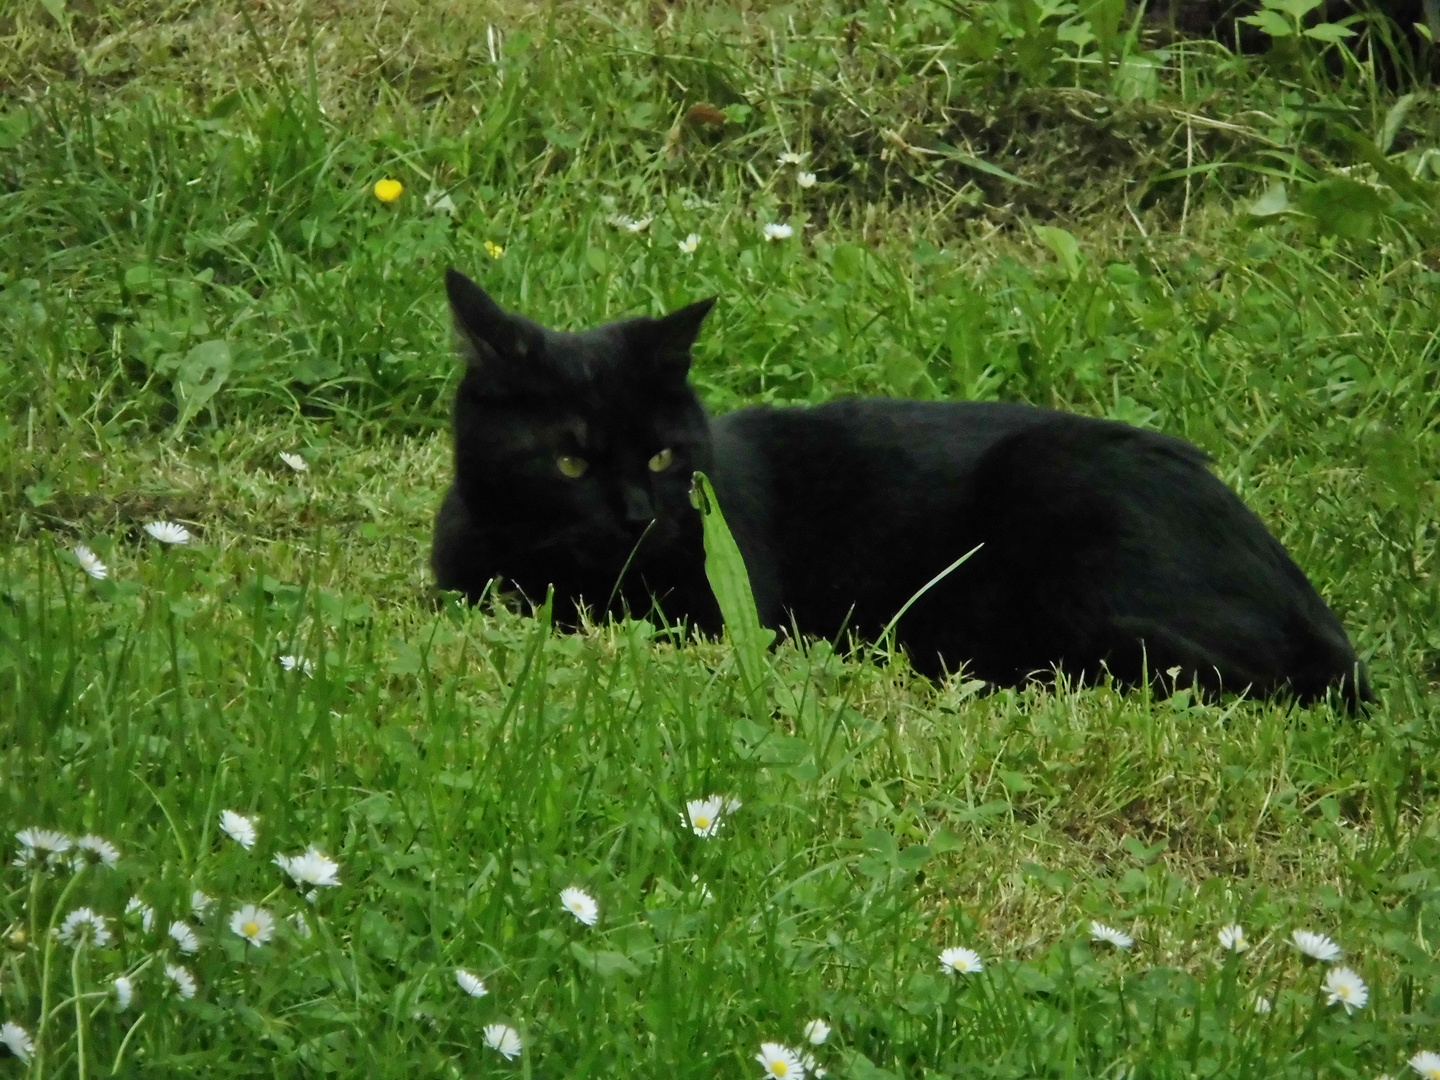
(638, 507)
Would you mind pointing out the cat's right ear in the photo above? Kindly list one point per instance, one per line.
(484, 334)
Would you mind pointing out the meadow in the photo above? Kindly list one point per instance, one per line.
(272, 806)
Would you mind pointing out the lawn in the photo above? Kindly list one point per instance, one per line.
(329, 816)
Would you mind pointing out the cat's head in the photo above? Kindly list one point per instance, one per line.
(577, 442)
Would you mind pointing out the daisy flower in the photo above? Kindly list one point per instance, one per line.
(39, 843)
(255, 925)
(200, 903)
(147, 914)
(1110, 936)
(580, 904)
(290, 663)
(1315, 946)
(805, 179)
(958, 961)
(1427, 1064)
(90, 563)
(791, 158)
(631, 225)
(471, 984)
(95, 849)
(238, 827)
(778, 231)
(388, 190)
(1343, 987)
(124, 992)
(704, 815)
(184, 937)
(311, 868)
(690, 243)
(295, 461)
(503, 1038)
(817, 1031)
(1232, 937)
(18, 1040)
(183, 980)
(168, 532)
(780, 1062)
(83, 925)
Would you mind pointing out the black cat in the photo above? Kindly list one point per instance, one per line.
(1105, 547)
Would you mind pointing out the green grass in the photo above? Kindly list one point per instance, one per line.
(195, 278)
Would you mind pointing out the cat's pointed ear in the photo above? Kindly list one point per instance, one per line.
(666, 341)
(484, 333)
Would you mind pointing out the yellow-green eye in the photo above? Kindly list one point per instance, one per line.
(571, 466)
(663, 460)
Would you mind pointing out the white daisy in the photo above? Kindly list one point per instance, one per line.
(791, 158)
(183, 980)
(43, 842)
(290, 663)
(301, 924)
(1108, 934)
(147, 914)
(817, 1031)
(201, 904)
(580, 904)
(18, 1040)
(1316, 946)
(1232, 937)
(1427, 1064)
(168, 532)
(184, 937)
(238, 827)
(1263, 1005)
(124, 992)
(780, 1062)
(90, 563)
(778, 231)
(311, 868)
(471, 984)
(95, 849)
(704, 815)
(958, 961)
(690, 243)
(805, 179)
(83, 925)
(295, 461)
(1343, 987)
(504, 1038)
(255, 925)
(629, 224)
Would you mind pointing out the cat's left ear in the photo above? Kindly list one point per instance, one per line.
(666, 341)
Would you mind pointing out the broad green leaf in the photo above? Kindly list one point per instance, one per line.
(1344, 207)
(1271, 23)
(1393, 119)
(202, 373)
(725, 568)
(1065, 247)
(1329, 32)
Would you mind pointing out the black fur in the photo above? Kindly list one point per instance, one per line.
(1105, 547)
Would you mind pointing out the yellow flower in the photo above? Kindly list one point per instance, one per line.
(387, 190)
(493, 249)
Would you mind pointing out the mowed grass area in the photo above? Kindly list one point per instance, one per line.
(1019, 201)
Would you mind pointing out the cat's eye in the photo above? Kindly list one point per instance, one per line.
(663, 460)
(571, 466)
